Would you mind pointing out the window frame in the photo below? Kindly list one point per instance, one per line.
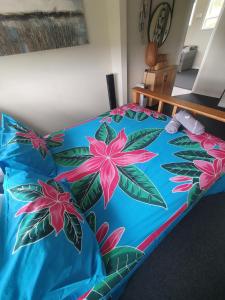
(192, 13)
(209, 16)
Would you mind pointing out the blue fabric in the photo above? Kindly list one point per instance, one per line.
(22, 147)
(44, 256)
(136, 181)
(131, 180)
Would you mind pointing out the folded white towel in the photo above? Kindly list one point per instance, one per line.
(172, 126)
(189, 122)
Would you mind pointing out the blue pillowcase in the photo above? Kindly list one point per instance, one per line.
(47, 249)
(21, 147)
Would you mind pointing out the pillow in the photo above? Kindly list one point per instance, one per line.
(47, 249)
(21, 146)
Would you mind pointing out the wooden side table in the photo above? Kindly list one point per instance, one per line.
(160, 81)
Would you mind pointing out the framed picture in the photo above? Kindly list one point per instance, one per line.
(35, 25)
(160, 20)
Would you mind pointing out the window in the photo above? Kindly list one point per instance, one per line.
(213, 13)
(192, 13)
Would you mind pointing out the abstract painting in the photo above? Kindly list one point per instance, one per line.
(35, 25)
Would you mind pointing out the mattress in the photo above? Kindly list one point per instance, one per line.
(134, 182)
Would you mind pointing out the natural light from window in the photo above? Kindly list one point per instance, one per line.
(213, 13)
(192, 13)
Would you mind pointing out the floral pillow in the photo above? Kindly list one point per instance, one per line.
(47, 249)
(21, 146)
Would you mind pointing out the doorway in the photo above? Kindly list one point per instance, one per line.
(202, 23)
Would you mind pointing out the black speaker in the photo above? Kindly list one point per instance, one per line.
(111, 91)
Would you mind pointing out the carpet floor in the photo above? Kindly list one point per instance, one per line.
(186, 79)
(190, 263)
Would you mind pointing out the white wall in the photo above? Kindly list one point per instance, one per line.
(172, 46)
(211, 77)
(117, 19)
(56, 88)
(195, 34)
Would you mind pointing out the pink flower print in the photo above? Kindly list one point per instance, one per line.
(128, 106)
(207, 141)
(220, 155)
(131, 106)
(210, 172)
(183, 187)
(106, 160)
(112, 241)
(118, 111)
(110, 244)
(180, 178)
(122, 110)
(222, 145)
(84, 296)
(147, 111)
(36, 141)
(57, 203)
(57, 138)
(156, 114)
(217, 153)
(106, 119)
(102, 231)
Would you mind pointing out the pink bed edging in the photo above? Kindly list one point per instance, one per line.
(147, 242)
(83, 297)
(157, 233)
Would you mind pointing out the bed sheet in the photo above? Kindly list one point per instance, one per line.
(134, 182)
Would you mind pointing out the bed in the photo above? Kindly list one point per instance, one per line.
(133, 182)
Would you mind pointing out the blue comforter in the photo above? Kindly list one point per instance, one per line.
(134, 181)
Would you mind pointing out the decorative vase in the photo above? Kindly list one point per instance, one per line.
(151, 54)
